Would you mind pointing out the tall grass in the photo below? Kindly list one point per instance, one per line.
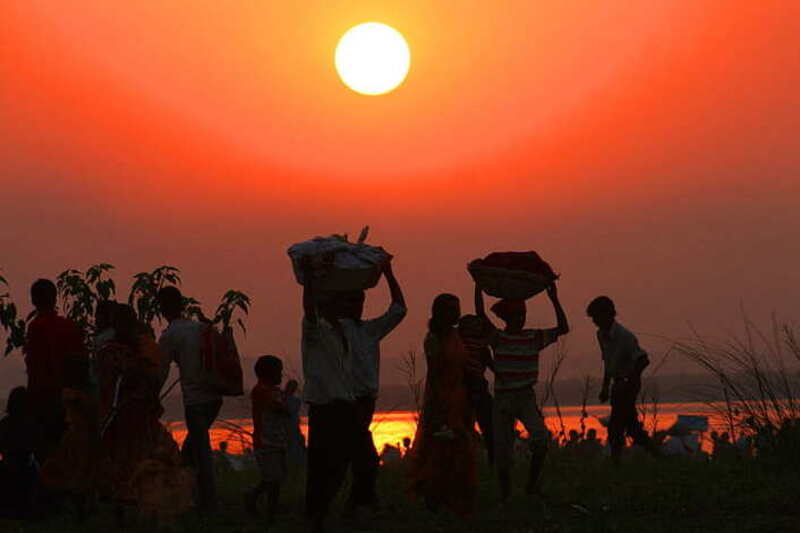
(409, 368)
(558, 358)
(587, 391)
(757, 386)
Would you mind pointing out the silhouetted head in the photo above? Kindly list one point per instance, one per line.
(602, 311)
(591, 434)
(170, 303)
(472, 327)
(17, 404)
(127, 327)
(574, 435)
(104, 314)
(269, 370)
(445, 312)
(223, 446)
(291, 387)
(44, 295)
(407, 442)
(512, 312)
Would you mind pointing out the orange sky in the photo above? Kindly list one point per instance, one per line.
(648, 149)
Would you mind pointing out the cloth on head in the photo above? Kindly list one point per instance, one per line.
(505, 307)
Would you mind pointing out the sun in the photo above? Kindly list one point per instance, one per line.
(372, 58)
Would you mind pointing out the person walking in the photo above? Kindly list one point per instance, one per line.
(623, 364)
(181, 343)
(516, 366)
(476, 336)
(50, 340)
(132, 436)
(363, 339)
(441, 462)
(329, 393)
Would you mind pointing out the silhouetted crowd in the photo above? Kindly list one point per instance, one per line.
(87, 426)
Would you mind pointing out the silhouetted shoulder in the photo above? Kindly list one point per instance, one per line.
(624, 333)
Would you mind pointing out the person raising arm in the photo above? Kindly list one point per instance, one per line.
(516, 364)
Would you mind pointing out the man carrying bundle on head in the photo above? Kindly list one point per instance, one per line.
(328, 390)
(516, 366)
(363, 340)
(341, 360)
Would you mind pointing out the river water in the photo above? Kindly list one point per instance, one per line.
(392, 427)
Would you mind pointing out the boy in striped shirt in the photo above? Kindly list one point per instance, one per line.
(516, 366)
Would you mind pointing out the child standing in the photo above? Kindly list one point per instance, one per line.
(270, 439)
(476, 334)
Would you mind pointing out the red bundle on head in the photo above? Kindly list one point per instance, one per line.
(512, 275)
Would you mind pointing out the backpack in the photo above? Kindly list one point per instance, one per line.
(222, 368)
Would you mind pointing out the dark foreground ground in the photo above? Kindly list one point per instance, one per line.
(582, 495)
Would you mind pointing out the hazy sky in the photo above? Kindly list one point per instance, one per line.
(649, 150)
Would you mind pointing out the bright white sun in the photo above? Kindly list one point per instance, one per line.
(372, 58)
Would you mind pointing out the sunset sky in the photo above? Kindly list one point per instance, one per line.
(649, 150)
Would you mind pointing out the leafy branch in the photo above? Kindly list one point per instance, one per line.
(81, 292)
(144, 291)
(231, 302)
(10, 321)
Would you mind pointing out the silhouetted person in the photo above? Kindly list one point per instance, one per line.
(441, 463)
(623, 363)
(181, 343)
(19, 436)
(476, 333)
(363, 338)
(573, 441)
(50, 340)
(516, 365)
(590, 446)
(328, 390)
(129, 370)
(406, 445)
(297, 442)
(723, 447)
(270, 436)
(222, 459)
(391, 455)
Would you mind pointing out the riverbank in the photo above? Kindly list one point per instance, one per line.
(582, 495)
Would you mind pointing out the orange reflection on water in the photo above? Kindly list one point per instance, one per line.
(392, 427)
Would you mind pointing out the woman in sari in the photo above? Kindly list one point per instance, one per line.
(442, 459)
(141, 460)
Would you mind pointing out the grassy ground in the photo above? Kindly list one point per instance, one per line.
(581, 495)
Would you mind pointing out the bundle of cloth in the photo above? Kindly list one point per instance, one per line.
(338, 264)
(512, 275)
